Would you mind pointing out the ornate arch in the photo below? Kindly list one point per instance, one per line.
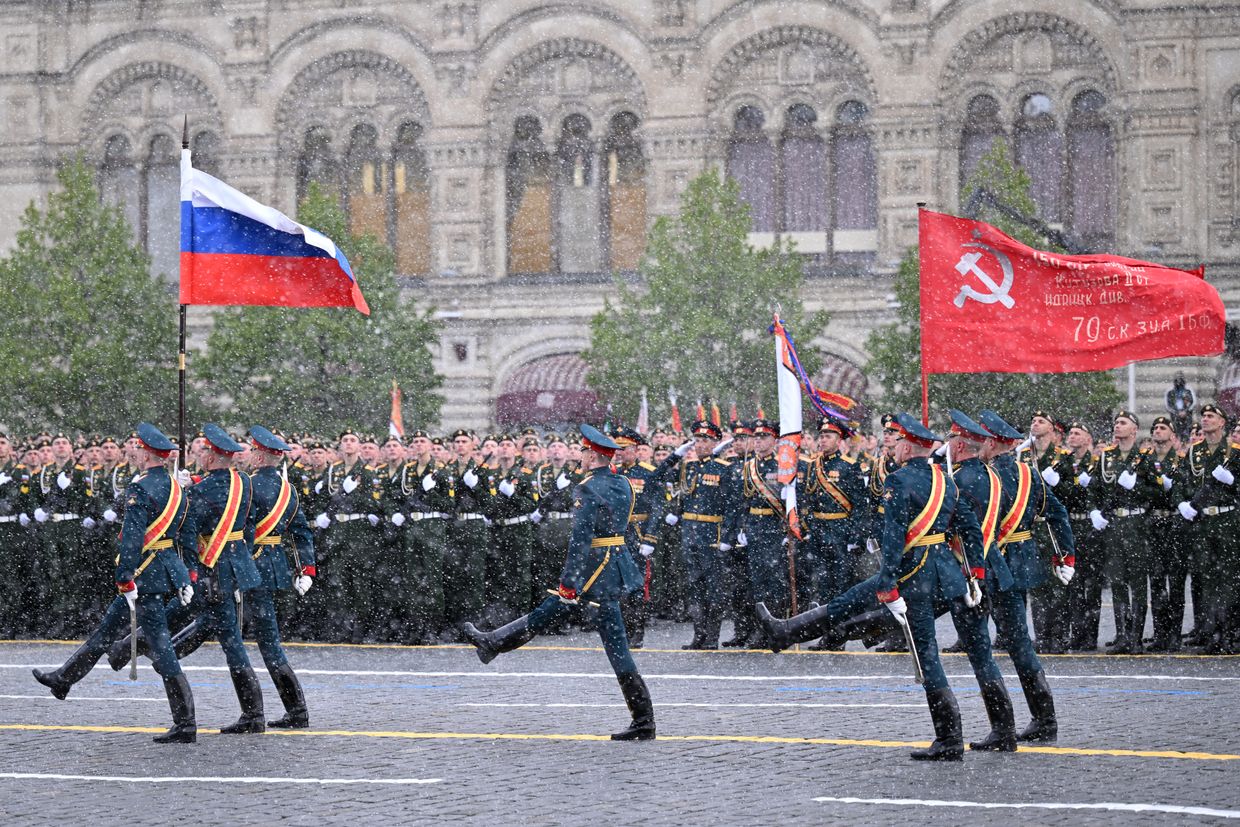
(130, 100)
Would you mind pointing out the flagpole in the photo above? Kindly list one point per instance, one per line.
(181, 446)
(925, 378)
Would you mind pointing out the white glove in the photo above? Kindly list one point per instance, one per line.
(185, 594)
(428, 482)
(683, 448)
(536, 517)
(398, 519)
(348, 485)
(237, 599)
(1064, 574)
(852, 547)
(897, 607)
(1223, 475)
(725, 547)
(470, 478)
(373, 519)
(671, 519)
(872, 546)
(721, 447)
(507, 488)
(645, 549)
(973, 594)
(5, 478)
(1167, 482)
(131, 597)
(1098, 520)
(1127, 480)
(562, 482)
(184, 478)
(318, 487)
(1083, 479)
(40, 515)
(88, 523)
(23, 519)
(1051, 476)
(741, 540)
(109, 516)
(322, 521)
(63, 481)
(302, 583)
(1187, 511)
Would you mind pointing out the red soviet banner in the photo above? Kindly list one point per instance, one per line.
(992, 304)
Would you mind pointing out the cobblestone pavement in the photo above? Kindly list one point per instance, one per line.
(414, 735)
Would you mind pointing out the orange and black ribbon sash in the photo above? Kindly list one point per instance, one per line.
(924, 521)
(209, 552)
(834, 490)
(1024, 487)
(772, 499)
(268, 524)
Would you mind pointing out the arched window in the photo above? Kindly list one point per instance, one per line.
(626, 193)
(527, 190)
(1091, 172)
(162, 200)
(855, 181)
(366, 174)
(206, 149)
(1039, 150)
(981, 127)
(411, 188)
(317, 163)
(118, 180)
(751, 163)
(577, 200)
(803, 167)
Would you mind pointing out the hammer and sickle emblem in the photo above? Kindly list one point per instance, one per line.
(998, 292)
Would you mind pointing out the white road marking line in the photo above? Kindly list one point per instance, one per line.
(1046, 805)
(242, 779)
(81, 698)
(707, 705)
(902, 677)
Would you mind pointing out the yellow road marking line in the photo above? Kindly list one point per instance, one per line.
(726, 739)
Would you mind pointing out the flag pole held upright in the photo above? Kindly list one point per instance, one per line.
(181, 447)
(921, 359)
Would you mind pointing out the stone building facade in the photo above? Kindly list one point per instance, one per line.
(514, 153)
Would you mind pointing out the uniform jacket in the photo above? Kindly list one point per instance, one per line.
(296, 540)
(823, 506)
(1028, 569)
(973, 480)
(603, 503)
(207, 499)
(145, 500)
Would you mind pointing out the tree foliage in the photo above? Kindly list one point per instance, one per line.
(323, 369)
(90, 339)
(895, 349)
(698, 322)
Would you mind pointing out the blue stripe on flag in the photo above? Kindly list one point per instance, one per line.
(216, 230)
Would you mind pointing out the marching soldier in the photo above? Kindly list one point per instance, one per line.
(920, 508)
(468, 537)
(148, 568)
(597, 569)
(1169, 566)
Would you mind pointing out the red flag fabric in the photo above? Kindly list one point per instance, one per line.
(992, 304)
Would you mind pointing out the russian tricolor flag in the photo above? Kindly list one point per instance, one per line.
(235, 250)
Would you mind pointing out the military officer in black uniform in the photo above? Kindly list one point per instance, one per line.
(1169, 564)
(468, 536)
(18, 594)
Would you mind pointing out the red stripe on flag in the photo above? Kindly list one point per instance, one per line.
(280, 281)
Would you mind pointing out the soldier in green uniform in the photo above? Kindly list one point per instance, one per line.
(468, 537)
(62, 502)
(1085, 590)
(511, 499)
(1125, 486)
(1169, 570)
(310, 615)
(1210, 472)
(18, 599)
(554, 481)
(1049, 601)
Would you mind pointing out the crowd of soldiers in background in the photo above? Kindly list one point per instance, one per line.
(416, 536)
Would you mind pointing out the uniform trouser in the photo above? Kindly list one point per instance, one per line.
(610, 627)
(220, 620)
(508, 569)
(354, 571)
(769, 573)
(1049, 601)
(63, 576)
(305, 616)
(738, 590)
(19, 598)
(1085, 590)
(668, 579)
(1217, 559)
(265, 623)
(550, 548)
(699, 542)
(1168, 576)
(1008, 609)
(973, 629)
(634, 607)
(465, 570)
(1128, 571)
(154, 625)
(835, 568)
(423, 606)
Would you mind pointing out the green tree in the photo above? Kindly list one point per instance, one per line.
(895, 349)
(90, 341)
(698, 322)
(323, 369)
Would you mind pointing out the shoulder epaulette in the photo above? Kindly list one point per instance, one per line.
(1062, 451)
(648, 466)
(1181, 454)
(337, 462)
(79, 467)
(726, 463)
(848, 459)
(368, 468)
(1147, 450)
(1197, 441)
(1235, 446)
(1107, 447)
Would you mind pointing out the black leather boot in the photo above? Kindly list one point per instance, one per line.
(635, 622)
(637, 697)
(1002, 737)
(181, 702)
(697, 614)
(872, 627)
(250, 696)
(61, 680)
(712, 621)
(118, 653)
(187, 641)
(780, 634)
(1044, 728)
(295, 714)
(948, 744)
(504, 639)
